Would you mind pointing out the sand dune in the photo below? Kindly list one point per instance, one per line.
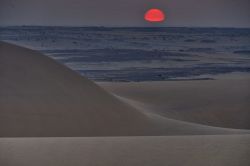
(223, 102)
(122, 151)
(40, 97)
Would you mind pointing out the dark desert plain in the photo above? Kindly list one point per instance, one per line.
(124, 83)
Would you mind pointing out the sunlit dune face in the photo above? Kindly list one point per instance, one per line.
(154, 15)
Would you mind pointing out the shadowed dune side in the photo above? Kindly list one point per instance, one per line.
(224, 102)
(223, 150)
(40, 97)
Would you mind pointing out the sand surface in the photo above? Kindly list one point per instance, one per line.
(224, 102)
(49, 115)
(127, 151)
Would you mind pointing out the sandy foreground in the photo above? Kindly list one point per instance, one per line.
(50, 115)
(230, 150)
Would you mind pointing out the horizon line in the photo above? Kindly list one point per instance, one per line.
(86, 26)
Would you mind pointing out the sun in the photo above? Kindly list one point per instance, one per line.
(154, 15)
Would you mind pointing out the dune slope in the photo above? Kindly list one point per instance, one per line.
(223, 102)
(40, 97)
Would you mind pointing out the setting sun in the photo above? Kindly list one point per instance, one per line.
(154, 15)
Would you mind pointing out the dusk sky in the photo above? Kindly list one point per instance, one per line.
(212, 13)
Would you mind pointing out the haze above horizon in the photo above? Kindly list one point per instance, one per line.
(120, 13)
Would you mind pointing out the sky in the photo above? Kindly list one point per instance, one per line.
(190, 13)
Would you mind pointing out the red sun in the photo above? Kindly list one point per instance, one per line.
(154, 15)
